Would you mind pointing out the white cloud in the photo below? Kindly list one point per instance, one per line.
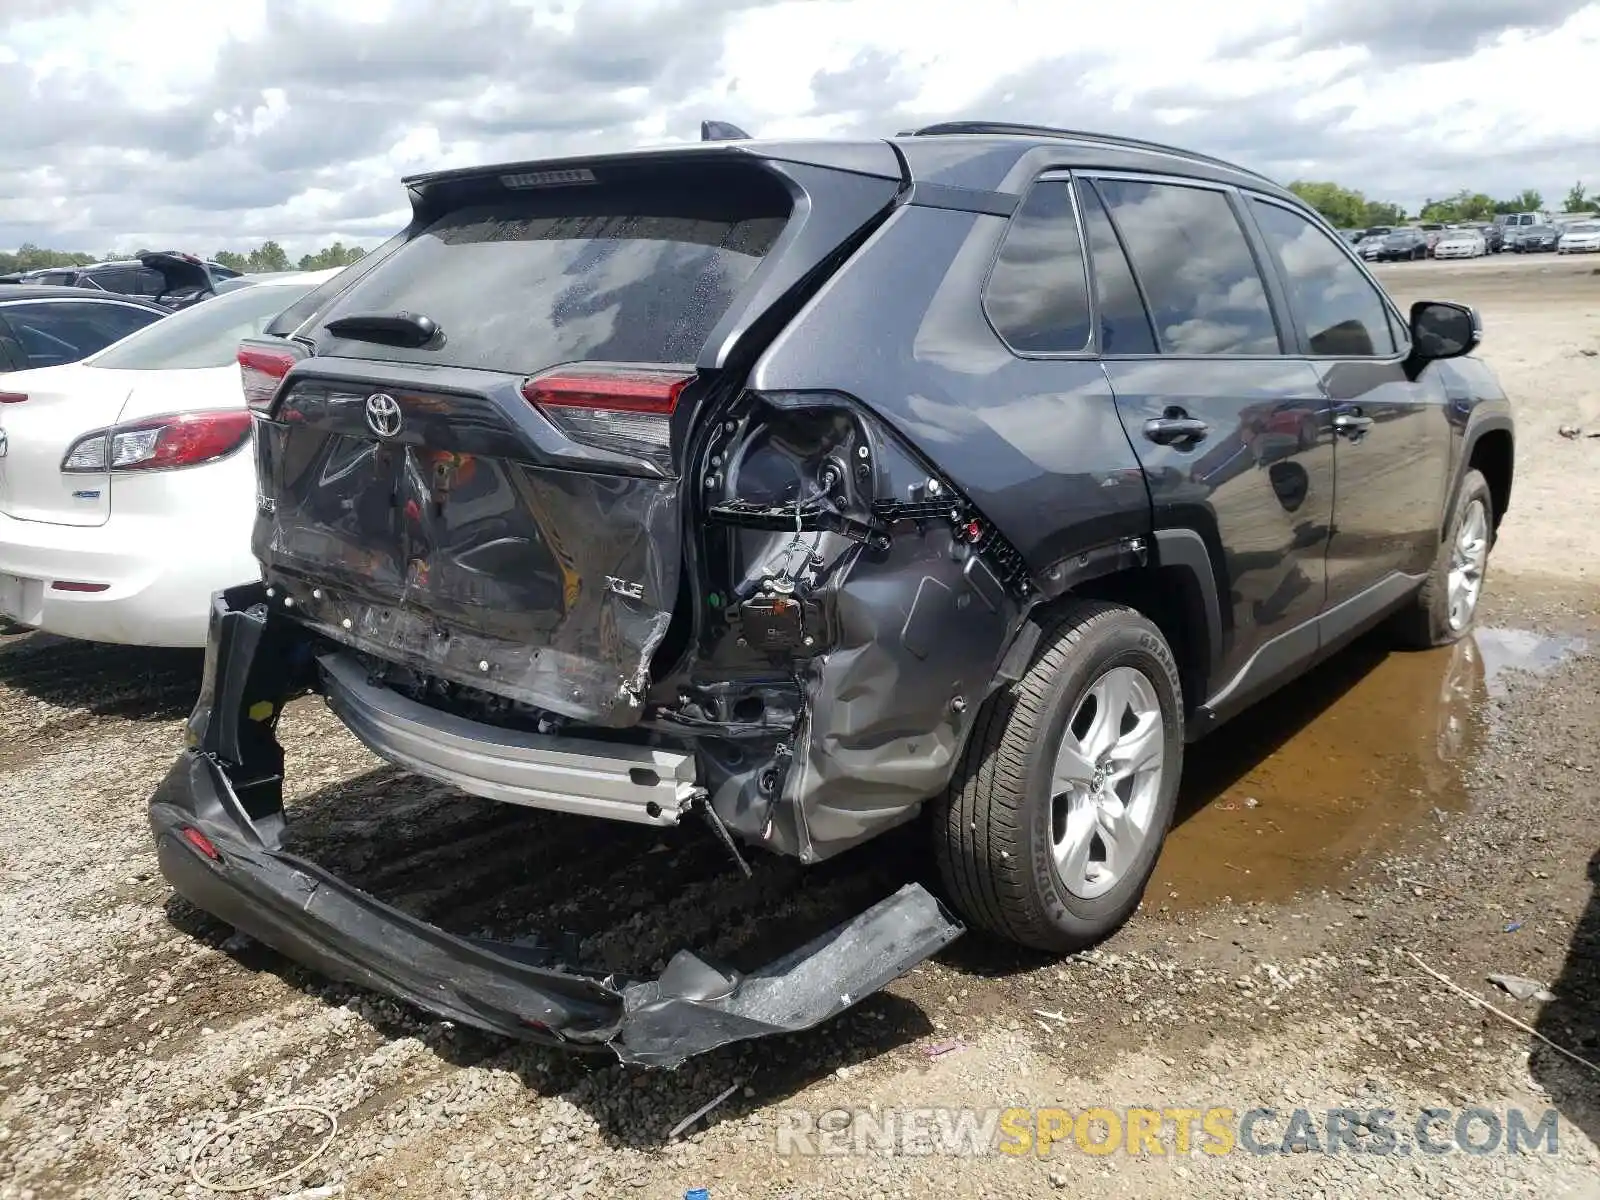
(207, 125)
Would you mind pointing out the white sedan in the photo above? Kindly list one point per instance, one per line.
(1581, 237)
(126, 499)
(1460, 243)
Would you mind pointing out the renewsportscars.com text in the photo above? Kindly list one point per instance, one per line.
(1210, 1130)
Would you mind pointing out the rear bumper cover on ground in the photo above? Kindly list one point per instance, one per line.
(226, 790)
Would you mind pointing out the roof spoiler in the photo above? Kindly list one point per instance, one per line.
(722, 131)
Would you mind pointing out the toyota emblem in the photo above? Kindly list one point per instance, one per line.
(383, 414)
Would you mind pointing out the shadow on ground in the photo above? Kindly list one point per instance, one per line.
(1572, 1020)
(633, 1108)
(98, 680)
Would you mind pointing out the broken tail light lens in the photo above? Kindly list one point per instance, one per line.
(161, 443)
(261, 370)
(627, 410)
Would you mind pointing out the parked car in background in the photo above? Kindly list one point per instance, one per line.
(1370, 246)
(1431, 232)
(1465, 242)
(47, 326)
(666, 527)
(1493, 237)
(1403, 245)
(1513, 225)
(1536, 239)
(171, 278)
(125, 500)
(1581, 237)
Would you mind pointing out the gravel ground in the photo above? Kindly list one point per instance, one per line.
(1439, 805)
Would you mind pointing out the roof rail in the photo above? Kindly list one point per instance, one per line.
(1080, 135)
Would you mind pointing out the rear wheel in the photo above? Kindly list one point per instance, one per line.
(1447, 603)
(1052, 825)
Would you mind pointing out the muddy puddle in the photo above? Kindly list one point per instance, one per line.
(1293, 794)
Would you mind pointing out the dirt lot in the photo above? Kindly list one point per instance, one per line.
(1439, 805)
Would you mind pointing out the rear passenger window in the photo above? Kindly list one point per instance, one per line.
(1205, 293)
(1037, 295)
(1339, 312)
(1124, 324)
(56, 332)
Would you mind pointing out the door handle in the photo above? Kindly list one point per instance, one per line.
(1351, 424)
(1175, 430)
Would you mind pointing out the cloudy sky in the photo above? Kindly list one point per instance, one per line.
(214, 124)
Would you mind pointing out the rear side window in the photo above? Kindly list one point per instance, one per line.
(65, 331)
(1339, 312)
(1124, 323)
(522, 281)
(1037, 295)
(1206, 294)
(118, 279)
(206, 335)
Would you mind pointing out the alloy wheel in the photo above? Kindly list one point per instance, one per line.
(1468, 558)
(1106, 782)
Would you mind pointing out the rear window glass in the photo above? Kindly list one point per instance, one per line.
(1037, 295)
(524, 281)
(206, 335)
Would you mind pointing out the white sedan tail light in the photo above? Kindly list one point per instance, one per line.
(160, 443)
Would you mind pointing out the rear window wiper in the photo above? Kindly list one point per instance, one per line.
(391, 328)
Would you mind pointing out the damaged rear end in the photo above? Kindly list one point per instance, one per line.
(527, 528)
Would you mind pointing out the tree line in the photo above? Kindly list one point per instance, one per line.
(269, 256)
(1346, 208)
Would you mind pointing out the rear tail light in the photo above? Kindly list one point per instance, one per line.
(12, 397)
(624, 409)
(262, 369)
(161, 443)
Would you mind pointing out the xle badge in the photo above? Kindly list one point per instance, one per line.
(623, 587)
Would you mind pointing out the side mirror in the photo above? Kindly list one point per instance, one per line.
(1443, 329)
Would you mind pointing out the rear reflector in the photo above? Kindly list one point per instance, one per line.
(12, 397)
(68, 585)
(202, 843)
(261, 371)
(624, 409)
(161, 443)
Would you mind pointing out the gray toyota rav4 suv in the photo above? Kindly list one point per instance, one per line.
(804, 490)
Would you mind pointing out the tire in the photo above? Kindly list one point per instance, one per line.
(1428, 620)
(996, 828)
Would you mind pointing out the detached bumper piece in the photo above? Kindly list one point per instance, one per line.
(217, 819)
